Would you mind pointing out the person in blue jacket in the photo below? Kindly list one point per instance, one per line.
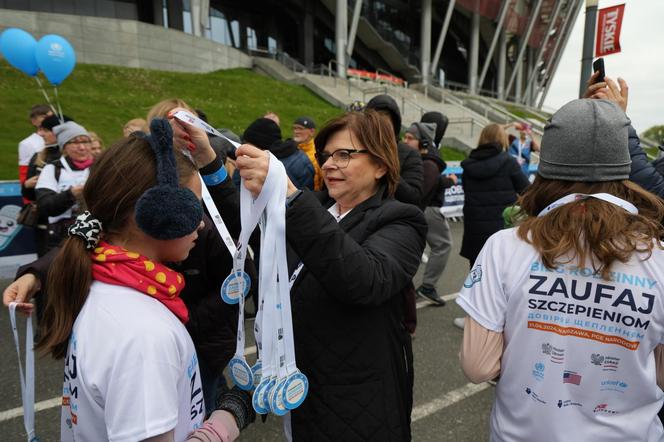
(522, 147)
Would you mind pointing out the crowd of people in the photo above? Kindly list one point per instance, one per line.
(549, 302)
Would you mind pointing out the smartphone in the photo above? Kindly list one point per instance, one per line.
(598, 65)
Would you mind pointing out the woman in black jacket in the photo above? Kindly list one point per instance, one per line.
(358, 248)
(491, 181)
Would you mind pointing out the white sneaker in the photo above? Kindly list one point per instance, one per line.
(425, 258)
(460, 322)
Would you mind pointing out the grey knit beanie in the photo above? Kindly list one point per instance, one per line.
(67, 131)
(422, 131)
(586, 140)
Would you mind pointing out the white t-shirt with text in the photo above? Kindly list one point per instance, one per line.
(131, 370)
(578, 360)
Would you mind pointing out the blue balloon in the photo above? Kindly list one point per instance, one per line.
(55, 57)
(18, 47)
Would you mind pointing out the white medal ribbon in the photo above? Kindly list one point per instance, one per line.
(217, 219)
(250, 213)
(273, 328)
(631, 208)
(207, 198)
(27, 378)
(197, 122)
(268, 324)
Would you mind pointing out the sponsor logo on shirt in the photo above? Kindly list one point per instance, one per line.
(613, 385)
(474, 277)
(557, 354)
(534, 396)
(608, 363)
(604, 409)
(568, 403)
(571, 377)
(538, 371)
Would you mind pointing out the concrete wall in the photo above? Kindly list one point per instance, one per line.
(128, 43)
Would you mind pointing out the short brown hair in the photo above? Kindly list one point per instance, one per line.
(375, 134)
(40, 110)
(590, 229)
(493, 133)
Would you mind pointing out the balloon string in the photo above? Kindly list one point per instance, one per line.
(57, 101)
(41, 88)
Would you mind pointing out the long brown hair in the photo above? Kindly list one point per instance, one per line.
(590, 229)
(110, 194)
(374, 133)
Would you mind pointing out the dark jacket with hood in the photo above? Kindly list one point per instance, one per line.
(491, 181)
(433, 190)
(347, 312)
(411, 175)
(645, 174)
(433, 165)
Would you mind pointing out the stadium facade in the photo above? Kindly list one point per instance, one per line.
(508, 49)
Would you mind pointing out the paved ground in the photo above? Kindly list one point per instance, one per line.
(447, 408)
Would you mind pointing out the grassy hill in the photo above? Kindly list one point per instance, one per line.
(104, 98)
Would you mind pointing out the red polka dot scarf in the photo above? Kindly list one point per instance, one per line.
(118, 266)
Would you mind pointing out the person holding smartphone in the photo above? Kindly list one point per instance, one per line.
(522, 147)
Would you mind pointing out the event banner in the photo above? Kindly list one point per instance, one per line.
(454, 196)
(609, 22)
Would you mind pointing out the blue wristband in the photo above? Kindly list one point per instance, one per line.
(216, 177)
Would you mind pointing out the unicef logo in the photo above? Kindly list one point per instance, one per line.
(56, 50)
(538, 371)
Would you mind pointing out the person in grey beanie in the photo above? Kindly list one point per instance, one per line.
(572, 292)
(60, 185)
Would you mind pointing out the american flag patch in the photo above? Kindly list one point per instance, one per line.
(571, 377)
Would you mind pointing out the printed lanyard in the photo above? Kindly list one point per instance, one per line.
(600, 196)
(207, 198)
(217, 219)
(250, 212)
(27, 378)
(197, 122)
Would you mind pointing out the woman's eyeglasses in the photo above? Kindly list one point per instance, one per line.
(340, 157)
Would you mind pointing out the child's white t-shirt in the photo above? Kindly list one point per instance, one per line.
(131, 370)
(578, 360)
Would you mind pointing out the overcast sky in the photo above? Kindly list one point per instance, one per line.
(641, 62)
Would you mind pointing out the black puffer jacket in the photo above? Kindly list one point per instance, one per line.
(491, 181)
(347, 312)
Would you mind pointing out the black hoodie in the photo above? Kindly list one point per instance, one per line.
(434, 183)
(411, 178)
(491, 181)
